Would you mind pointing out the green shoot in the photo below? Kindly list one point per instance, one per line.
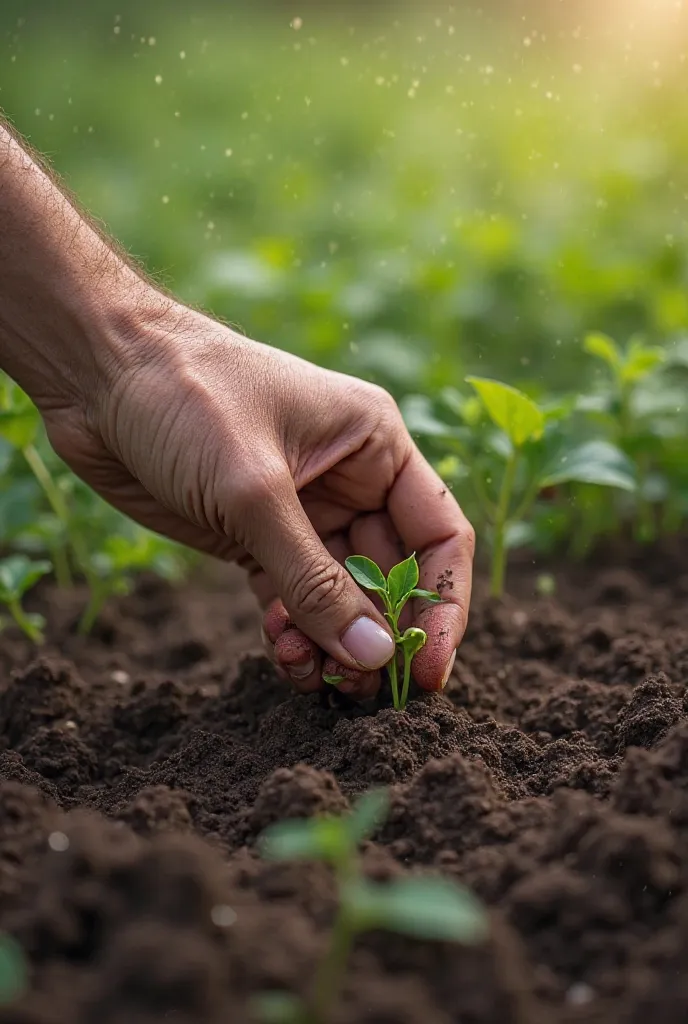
(521, 420)
(628, 369)
(112, 569)
(399, 587)
(424, 908)
(529, 467)
(13, 973)
(18, 574)
(332, 680)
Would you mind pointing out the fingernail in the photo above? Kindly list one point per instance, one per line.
(448, 670)
(301, 671)
(368, 643)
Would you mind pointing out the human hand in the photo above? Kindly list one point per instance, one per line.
(253, 455)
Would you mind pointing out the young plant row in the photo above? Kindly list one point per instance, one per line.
(423, 907)
(51, 522)
(570, 471)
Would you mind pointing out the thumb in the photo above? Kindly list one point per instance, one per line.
(318, 593)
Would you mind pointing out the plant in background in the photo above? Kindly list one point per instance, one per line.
(510, 459)
(112, 568)
(395, 591)
(18, 574)
(636, 426)
(13, 971)
(627, 368)
(542, 465)
(45, 509)
(424, 908)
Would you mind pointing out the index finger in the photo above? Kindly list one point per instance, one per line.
(430, 522)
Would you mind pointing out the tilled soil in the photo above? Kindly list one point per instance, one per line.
(138, 768)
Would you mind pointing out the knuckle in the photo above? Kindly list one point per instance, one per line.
(385, 403)
(320, 587)
(255, 485)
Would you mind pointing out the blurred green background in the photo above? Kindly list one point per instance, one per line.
(406, 191)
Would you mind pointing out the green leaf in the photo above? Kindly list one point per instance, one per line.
(367, 815)
(18, 574)
(595, 462)
(13, 973)
(421, 420)
(316, 839)
(512, 411)
(427, 595)
(401, 581)
(277, 1008)
(640, 361)
(597, 344)
(332, 680)
(412, 641)
(366, 573)
(425, 908)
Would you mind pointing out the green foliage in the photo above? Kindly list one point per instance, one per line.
(45, 511)
(429, 908)
(510, 410)
(368, 226)
(13, 973)
(18, 574)
(504, 454)
(396, 590)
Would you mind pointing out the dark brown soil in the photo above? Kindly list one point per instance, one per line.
(138, 768)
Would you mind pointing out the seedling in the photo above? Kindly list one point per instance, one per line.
(424, 908)
(395, 591)
(18, 574)
(628, 368)
(13, 972)
(640, 437)
(112, 568)
(536, 455)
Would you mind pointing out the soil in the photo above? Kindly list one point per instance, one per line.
(138, 768)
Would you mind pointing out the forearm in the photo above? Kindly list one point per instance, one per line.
(65, 295)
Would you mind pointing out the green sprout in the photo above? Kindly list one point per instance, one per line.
(640, 436)
(18, 574)
(399, 587)
(536, 455)
(113, 567)
(424, 908)
(13, 972)
(628, 368)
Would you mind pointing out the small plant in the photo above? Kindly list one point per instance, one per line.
(112, 568)
(536, 459)
(424, 908)
(623, 411)
(18, 574)
(399, 587)
(13, 972)
(628, 368)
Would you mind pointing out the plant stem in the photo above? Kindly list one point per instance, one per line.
(58, 504)
(24, 622)
(93, 608)
(501, 520)
(63, 572)
(407, 681)
(394, 681)
(330, 972)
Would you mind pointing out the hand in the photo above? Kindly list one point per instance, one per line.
(251, 454)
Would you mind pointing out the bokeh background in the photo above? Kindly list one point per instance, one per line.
(406, 191)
